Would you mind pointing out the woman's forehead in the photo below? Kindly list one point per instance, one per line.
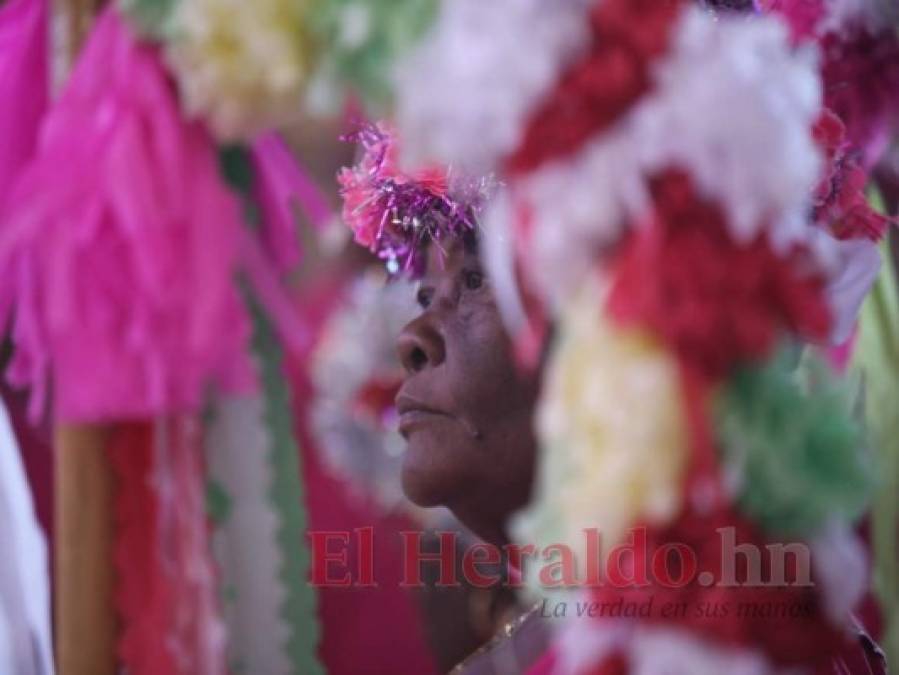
(449, 256)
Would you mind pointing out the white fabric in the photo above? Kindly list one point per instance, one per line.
(24, 586)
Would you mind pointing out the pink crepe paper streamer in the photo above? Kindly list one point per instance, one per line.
(23, 83)
(123, 246)
(282, 185)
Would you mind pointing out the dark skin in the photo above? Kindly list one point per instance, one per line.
(466, 410)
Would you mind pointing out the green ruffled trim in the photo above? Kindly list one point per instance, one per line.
(363, 39)
(218, 503)
(300, 611)
(287, 492)
(798, 456)
(152, 18)
(876, 358)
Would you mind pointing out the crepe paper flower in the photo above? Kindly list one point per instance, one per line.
(24, 84)
(356, 375)
(860, 70)
(802, 16)
(597, 468)
(362, 41)
(859, 67)
(241, 66)
(122, 245)
(715, 303)
(465, 93)
(841, 570)
(395, 214)
(809, 19)
(734, 106)
(150, 17)
(674, 651)
(801, 637)
(627, 36)
(840, 201)
(797, 455)
(753, 153)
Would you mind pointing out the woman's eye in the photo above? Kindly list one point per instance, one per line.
(423, 297)
(473, 280)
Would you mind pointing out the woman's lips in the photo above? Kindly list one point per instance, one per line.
(414, 413)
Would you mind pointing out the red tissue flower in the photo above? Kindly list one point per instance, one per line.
(860, 71)
(839, 200)
(715, 302)
(627, 36)
(786, 620)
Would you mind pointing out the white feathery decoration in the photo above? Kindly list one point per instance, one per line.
(465, 93)
(677, 652)
(358, 347)
(733, 104)
(841, 570)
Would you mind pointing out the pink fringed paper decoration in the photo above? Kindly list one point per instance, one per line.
(166, 596)
(123, 246)
(23, 83)
(281, 187)
(24, 91)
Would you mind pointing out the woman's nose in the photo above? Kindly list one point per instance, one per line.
(421, 345)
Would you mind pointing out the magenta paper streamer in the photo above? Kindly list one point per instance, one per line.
(123, 247)
(283, 187)
(23, 83)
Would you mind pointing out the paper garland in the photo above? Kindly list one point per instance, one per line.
(166, 587)
(287, 495)
(239, 457)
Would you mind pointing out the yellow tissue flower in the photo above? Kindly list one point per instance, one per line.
(612, 434)
(240, 65)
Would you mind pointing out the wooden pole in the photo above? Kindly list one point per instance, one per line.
(85, 619)
(85, 575)
(84, 485)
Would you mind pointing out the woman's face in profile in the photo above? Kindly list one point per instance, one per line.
(465, 409)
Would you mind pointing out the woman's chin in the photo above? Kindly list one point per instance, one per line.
(429, 479)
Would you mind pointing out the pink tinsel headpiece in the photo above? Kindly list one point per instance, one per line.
(396, 214)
